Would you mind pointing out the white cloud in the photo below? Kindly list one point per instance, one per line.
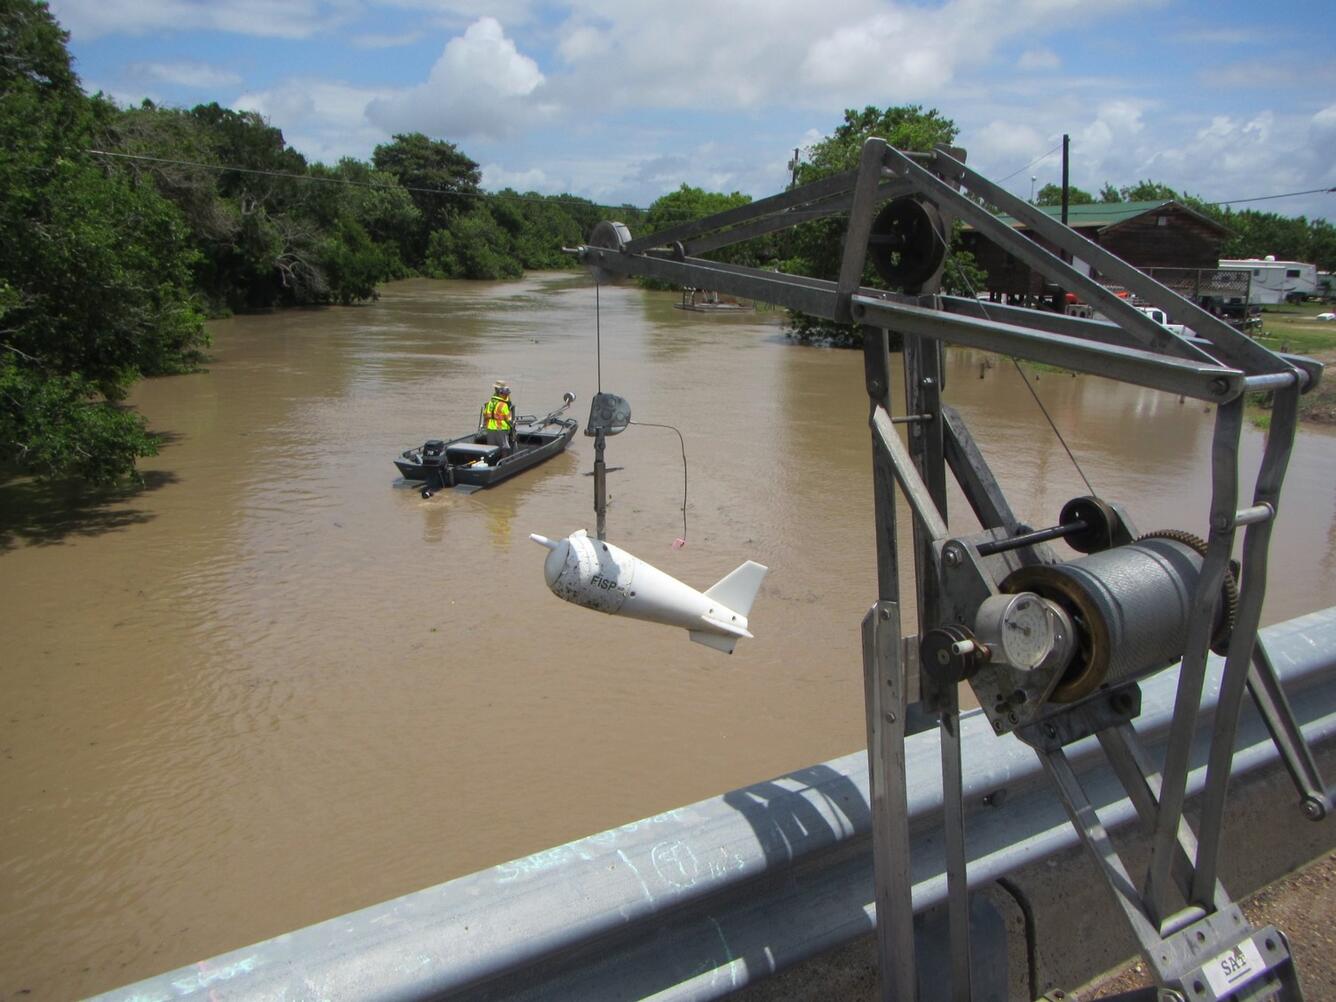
(892, 53)
(495, 177)
(185, 74)
(482, 85)
(325, 121)
(838, 53)
(1038, 59)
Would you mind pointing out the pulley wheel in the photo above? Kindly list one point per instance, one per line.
(908, 243)
(610, 235)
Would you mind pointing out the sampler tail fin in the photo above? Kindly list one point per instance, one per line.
(738, 588)
(715, 640)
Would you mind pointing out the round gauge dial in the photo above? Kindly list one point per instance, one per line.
(1027, 632)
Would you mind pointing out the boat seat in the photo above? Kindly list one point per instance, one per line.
(468, 452)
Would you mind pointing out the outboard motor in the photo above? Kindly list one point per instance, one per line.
(433, 450)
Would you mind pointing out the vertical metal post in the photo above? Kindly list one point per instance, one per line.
(923, 381)
(884, 692)
(600, 485)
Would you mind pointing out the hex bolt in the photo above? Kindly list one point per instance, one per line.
(1219, 387)
(1313, 809)
(1222, 523)
(885, 614)
(1050, 731)
(951, 557)
(874, 387)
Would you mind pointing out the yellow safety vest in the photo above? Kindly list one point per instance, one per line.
(496, 412)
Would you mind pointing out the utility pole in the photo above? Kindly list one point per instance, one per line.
(1066, 146)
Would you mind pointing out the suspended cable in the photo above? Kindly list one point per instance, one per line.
(292, 176)
(598, 336)
(1030, 164)
(678, 543)
(1024, 379)
(1288, 194)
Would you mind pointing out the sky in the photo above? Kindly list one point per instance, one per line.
(621, 101)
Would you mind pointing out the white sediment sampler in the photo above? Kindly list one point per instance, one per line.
(605, 578)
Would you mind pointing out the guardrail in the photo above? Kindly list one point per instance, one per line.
(704, 899)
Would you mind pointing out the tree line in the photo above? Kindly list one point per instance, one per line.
(1252, 234)
(126, 227)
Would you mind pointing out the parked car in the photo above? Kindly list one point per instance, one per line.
(1325, 316)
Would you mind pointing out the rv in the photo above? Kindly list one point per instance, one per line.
(1276, 281)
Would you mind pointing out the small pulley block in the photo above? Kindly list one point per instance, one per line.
(950, 655)
(908, 243)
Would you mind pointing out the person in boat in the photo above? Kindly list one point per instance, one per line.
(498, 418)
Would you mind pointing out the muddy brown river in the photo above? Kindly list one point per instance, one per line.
(277, 685)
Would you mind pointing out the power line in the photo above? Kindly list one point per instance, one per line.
(361, 184)
(1288, 194)
(1030, 164)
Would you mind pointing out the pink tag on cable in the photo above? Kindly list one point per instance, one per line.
(678, 543)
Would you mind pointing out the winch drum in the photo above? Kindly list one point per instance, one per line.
(1130, 604)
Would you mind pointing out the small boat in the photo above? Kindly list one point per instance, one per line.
(469, 463)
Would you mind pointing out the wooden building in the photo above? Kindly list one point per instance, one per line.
(1148, 235)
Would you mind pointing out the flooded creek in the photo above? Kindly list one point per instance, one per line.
(278, 685)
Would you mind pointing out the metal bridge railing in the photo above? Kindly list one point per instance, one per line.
(704, 899)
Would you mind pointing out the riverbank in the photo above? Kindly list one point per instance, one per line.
(1296, 329)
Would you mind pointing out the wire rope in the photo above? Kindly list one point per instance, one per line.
(1024, 379)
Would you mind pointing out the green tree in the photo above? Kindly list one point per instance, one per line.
(442, 181)
(1109, 194)
(906, 127)
(475, 246)
(94, 270)
(1051, 194)
(1147, 191)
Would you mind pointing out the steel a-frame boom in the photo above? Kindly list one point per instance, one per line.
(900, 209)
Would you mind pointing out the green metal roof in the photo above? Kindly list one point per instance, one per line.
(1095, 213)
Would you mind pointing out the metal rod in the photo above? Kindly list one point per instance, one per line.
(600, 485)
(1038, 536)
(912, 418)
(1257, 513)
(1269, 381)
(1275, 710)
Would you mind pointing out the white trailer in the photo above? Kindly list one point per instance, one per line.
(1276, 281)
